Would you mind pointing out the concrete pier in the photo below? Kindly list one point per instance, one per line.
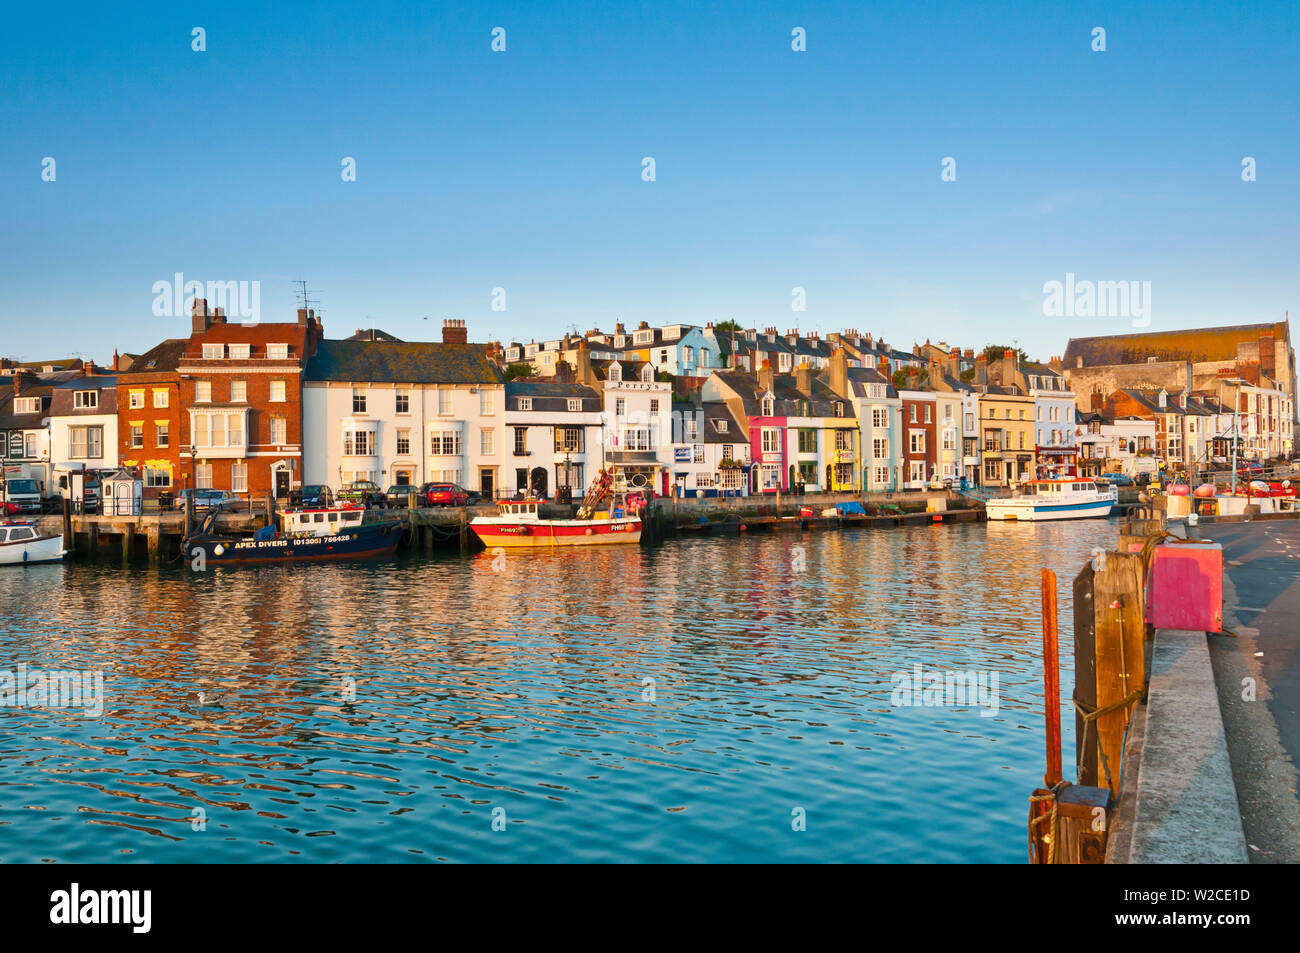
(1210, 762)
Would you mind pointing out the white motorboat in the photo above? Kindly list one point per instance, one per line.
(1071, 498)
(21, 542)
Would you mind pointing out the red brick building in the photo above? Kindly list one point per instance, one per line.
(919, 433)
(221, 409)
(149, 431)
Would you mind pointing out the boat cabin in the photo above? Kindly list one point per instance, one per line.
(323, 522)
(1059, 487)
(520, 509)
(17, 533)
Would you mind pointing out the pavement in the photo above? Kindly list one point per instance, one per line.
(1183, 800)
(1257, 676)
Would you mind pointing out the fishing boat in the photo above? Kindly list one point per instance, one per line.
(1262, 498)
(333, 532)
(1070, 498)
(22, 543)
(519, 524)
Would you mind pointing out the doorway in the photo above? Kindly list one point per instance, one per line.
(487, 483)
(538, 481)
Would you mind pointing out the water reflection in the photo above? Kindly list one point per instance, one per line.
(231, 731)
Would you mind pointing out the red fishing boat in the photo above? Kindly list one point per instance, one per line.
(519, 524)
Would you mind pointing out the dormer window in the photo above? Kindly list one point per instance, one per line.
(85, 399)
(615, 372)
(769, 405)
(214, 352)
(620, 340)
(1164, 399)
(240, 352)
(648, 374)
(721, 426)
(644, 337)
(277, 352)
(839, 409)
(525, 403)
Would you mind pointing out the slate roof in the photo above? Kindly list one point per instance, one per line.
(373, 334)
(11, 421)
(62, 402)
(163, 357)
(398, 362)
(551, 395)
(860, 377)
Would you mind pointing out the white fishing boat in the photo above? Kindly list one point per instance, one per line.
(1071, 498)
(21, 543)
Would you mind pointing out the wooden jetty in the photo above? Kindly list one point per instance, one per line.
(154, 536)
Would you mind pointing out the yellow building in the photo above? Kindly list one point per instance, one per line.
(1006, 436)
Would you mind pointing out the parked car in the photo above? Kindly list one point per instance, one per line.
(474, 497)
(443, 494)
(313, 496)
(1116, 479)
(365, 492)
(398, 495)
(205, 499)
(1248, 467)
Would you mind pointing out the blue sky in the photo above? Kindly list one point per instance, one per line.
(522, 170)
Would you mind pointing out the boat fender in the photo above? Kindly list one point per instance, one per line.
(587, 531)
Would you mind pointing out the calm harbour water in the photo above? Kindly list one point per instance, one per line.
(523, 690)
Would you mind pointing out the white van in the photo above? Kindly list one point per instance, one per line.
(19, 488)
(77, 484)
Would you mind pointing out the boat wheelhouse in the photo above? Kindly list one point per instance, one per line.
(22, 543)
(1070, 498)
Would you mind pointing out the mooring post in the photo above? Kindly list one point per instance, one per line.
(464, 532)
(1051, 681)
(68, 541)
(1109, 631)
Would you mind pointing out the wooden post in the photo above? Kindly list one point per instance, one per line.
(68, 541)
(94, 538)
(128, 542)
(464, 531)
(1051, 681)
(153, 542)
(1109, 630)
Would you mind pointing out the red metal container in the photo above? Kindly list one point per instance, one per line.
(1185, 587)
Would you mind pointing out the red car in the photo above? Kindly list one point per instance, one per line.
(443, 494)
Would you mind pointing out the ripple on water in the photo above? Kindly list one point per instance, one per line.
(388, 712)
